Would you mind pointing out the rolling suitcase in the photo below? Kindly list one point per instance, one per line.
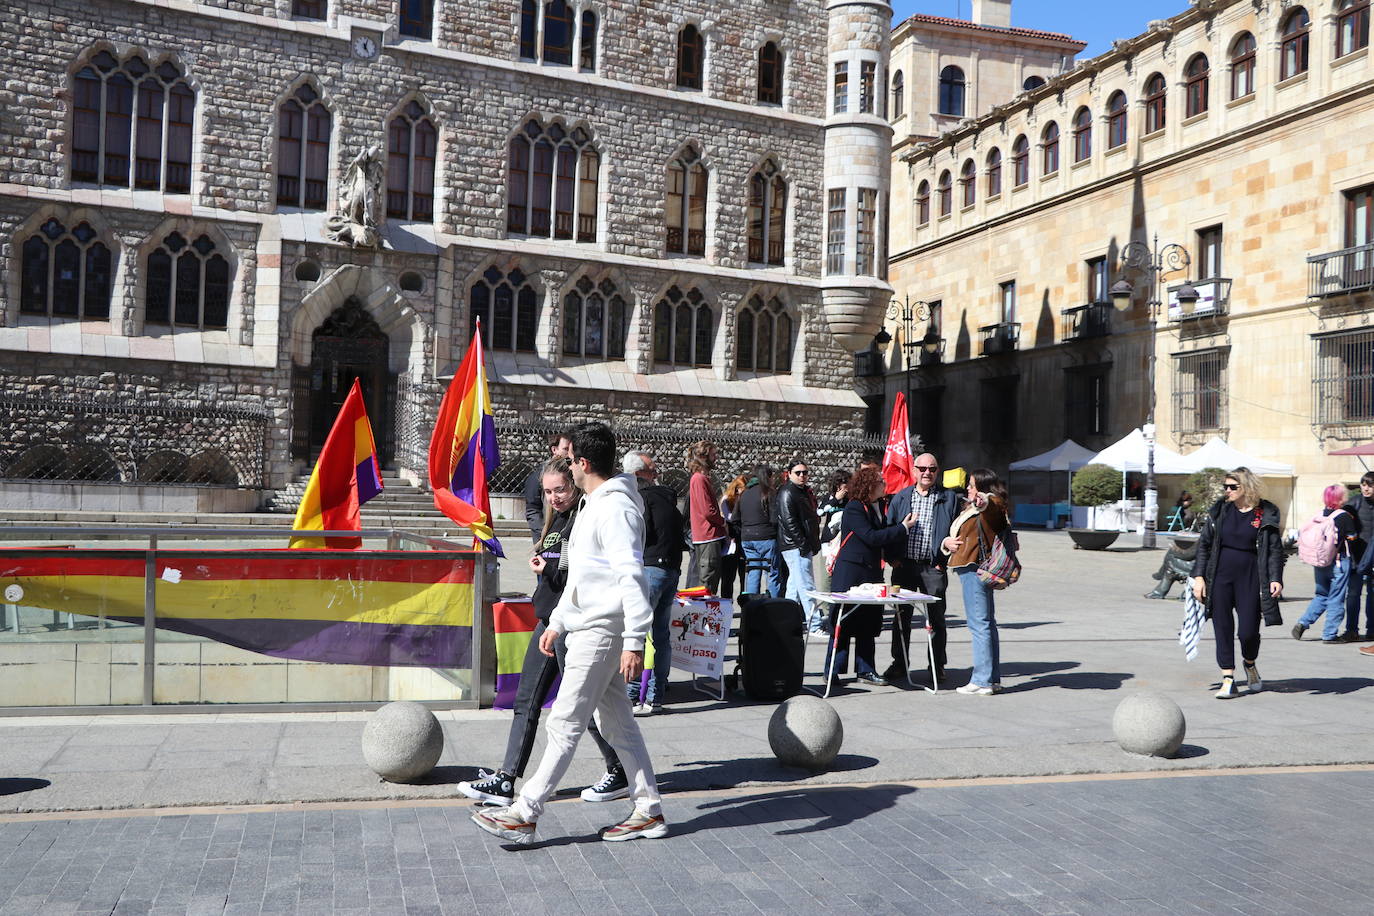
(772, 647)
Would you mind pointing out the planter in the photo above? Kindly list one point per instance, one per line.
(1093, 539)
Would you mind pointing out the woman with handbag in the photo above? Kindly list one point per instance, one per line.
(984, 518)
(864, 535)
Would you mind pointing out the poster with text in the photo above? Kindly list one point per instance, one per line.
(700, 629)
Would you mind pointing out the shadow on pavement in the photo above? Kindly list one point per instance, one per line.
(448, 776)
(1318, 685)
(1189, 751)
(1078, 680)
(16, 784)
(826, 807)
(726, 774)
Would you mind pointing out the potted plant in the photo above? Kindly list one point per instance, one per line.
(1095, 485)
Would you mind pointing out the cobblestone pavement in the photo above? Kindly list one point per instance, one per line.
(1254, 843)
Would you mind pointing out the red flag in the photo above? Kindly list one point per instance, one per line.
(346, 475)
(898, 471)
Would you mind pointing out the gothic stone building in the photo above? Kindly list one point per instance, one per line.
(665, 214)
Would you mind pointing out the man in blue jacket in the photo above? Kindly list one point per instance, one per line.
(917, 563)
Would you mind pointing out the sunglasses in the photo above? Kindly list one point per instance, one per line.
(1230, 486)
(927, 469)
(802, 473)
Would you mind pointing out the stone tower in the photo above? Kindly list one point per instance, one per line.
(858, 144)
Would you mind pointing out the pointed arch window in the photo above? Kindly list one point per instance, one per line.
(1243, 66)
(595, 321)
(1352, 26)
(412, 148)
(898, 95)
(944, 191)
(767, 215)
(558, 32)
(303, 129)
(952, 91)
(1020, 162)
(552, 183)
(994, 172)
(1197, 80)
(686, 204)
(923, 203)
(968, 183)
(770, 74)
(65, 274)
(1082, 135)
(683, 329)
(1156, 103)
(132, 113)
(1049, 149)
(1116, 120)
(1294, 40)
(417, 19)
(763, 337)
(508, 308)
(690, 57)
(187, 284)
(529, 29)
(586, 43)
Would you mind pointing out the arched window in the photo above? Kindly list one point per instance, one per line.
(690, 57)
(1082, 135)
(923, 203)
(412, 143)
(595, 320)
(1294, 40)
(529, 29)
(945, 194)
(1020, 162)
(1156, 99)
(558, 32)
(994, 165)
(763, 337)
(508, 308)
(187, 284)
(770, 74)
(898, 95)
(105, 138)
(308, 9)
(1197, 78)
(65, 274)
(683, 329)
(1243, 66)
(952, 91)
(686, 204)
(303, 127)
(1032, 82)
(1049, 149)
(1116, 120)
(586, 43)
(417, 19)
(968, 183)
(552, 184)
(1352, 26)
(767, 215)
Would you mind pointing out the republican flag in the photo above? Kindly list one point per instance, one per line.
(898, 472)
(462, 451)
(346, 476)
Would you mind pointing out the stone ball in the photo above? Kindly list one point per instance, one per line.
(805, 731)
(1150, 724)
(402, 741)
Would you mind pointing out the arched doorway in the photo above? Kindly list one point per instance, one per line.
(348, 345)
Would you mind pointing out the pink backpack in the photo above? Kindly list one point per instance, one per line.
(1318, 540)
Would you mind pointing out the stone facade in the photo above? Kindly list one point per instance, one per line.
(245, 60)
(1266, 193)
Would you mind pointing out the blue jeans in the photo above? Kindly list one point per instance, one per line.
(980, 612)
(761, 557)
(1357, 586)
(1330, 597)
(662, 590)
(799, 582)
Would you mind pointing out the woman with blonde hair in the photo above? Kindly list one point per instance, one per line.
(732, 561)
(1238, 575)
(1333, 578)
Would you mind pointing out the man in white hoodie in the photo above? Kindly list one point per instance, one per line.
(605, 614)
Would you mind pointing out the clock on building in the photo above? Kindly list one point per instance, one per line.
(364, 47)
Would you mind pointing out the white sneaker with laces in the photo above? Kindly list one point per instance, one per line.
(643, 709)
(637, 826)
(611, 786)
(1228, 689)
(975, 690)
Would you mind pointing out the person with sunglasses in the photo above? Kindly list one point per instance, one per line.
(799, 538)
(919, 564)
(1238, 575)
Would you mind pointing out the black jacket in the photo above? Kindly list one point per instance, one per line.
(755, 515)
(1363, 511)
(555, 576)
(946, 511)
(864, 537)
(663, 525)
(534, 503)
(799, 528)
(1270, 555)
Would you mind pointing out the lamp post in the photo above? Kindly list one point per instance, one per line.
(907, 313)
(1154, 264)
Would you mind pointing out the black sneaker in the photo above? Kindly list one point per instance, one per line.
(610, 787)
(1298, 630)
(491, 788)
(873, 678)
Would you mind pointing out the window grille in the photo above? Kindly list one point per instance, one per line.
(1343, 378)
(1200, 392)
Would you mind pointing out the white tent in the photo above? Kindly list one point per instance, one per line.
(1132, 454)
(1066, 456)
(1217, 454)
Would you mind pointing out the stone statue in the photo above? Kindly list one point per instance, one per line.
(358, 218)
(1176, 567)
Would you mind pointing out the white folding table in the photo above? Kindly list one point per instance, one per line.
(898, 598)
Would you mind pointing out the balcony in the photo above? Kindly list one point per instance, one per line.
(1214, 300)
(868, 364)
(1087, 321)
(1340, 273)
(1000, 338)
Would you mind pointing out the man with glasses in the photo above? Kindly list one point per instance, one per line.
(917, 563)
(799, 538)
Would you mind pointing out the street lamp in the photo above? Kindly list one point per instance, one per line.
(908, 313)
(1154, 264)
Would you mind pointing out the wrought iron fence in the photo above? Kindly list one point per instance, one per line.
(1337, 273)
(47, 438)
(1343, 378)
(1201, 402)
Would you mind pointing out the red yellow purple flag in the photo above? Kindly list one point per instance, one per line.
(346, 476)
(463, 452)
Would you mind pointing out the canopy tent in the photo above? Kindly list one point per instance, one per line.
(1066, 456)
(1131, 453)
(1217, 454)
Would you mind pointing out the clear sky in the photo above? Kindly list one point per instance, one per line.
(1093, 21)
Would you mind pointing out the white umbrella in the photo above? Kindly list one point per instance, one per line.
(1218, 454)
(1066, 456)
(1131, 453)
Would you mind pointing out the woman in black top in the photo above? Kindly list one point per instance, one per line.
(1238, 574)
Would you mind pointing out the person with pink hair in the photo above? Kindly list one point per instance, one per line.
(1333, 578)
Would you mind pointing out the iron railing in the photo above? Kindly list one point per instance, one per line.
(1343, 378)
(1200, 392)
(1087, 321)
(1000, 338)
(1338, 273)
(868, 364)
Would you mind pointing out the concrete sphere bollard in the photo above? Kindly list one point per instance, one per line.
(1150, 724)
(805, 731)
(402, 741)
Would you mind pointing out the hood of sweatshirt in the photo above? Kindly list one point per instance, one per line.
(621, 485)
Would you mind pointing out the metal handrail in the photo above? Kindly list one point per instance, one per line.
(23, 532)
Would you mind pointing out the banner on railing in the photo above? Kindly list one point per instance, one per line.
(392, 608)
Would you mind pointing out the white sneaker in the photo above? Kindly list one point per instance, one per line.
(1228, 689)
(975, 690)
(643, 709)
